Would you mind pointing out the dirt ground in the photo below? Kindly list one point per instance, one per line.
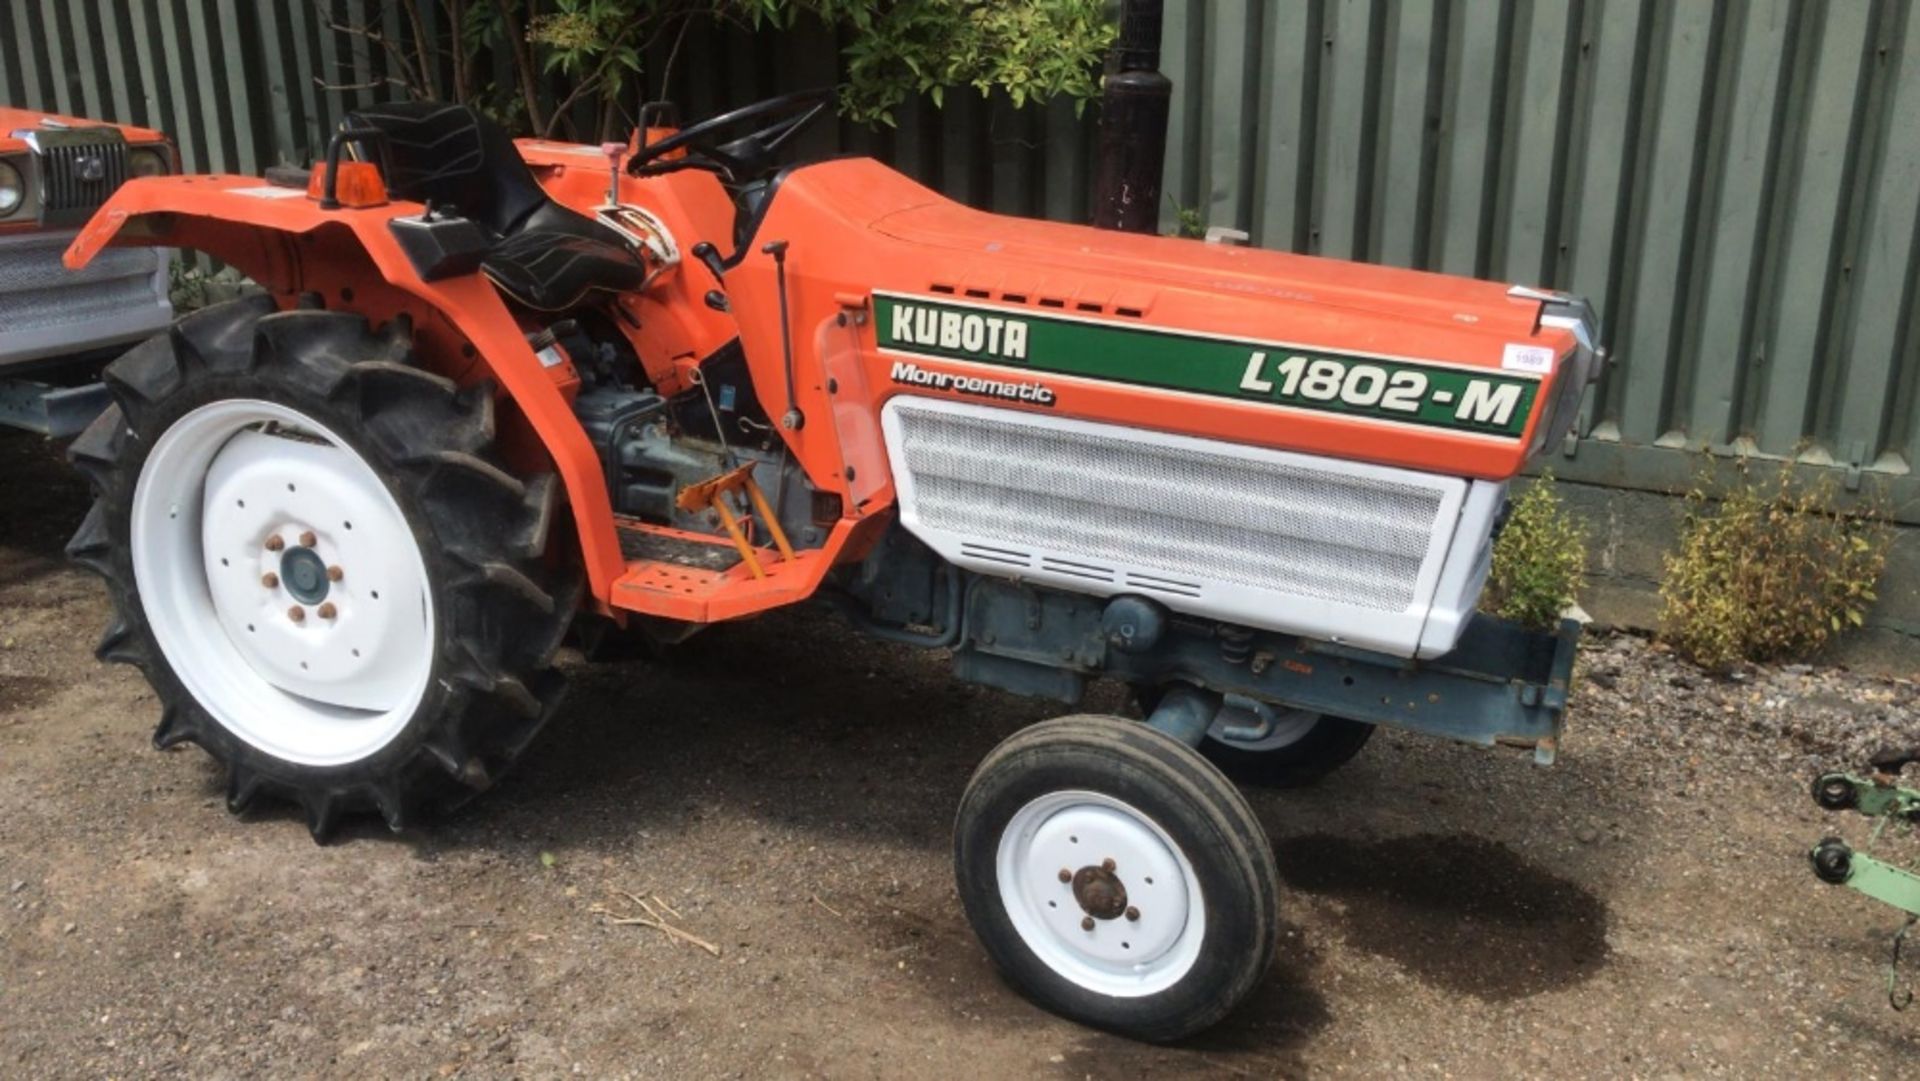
(1642, 909)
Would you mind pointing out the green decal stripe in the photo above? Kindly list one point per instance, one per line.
(1431, 395)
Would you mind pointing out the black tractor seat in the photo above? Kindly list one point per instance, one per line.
(544, 255)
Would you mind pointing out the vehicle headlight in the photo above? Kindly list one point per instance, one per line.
(13, 189)
(148, 161)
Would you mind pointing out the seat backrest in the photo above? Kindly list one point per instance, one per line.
(457, 158)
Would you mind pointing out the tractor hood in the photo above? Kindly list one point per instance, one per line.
(1086, 268)
(1321, 356)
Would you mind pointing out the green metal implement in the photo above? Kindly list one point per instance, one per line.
(1834, 861)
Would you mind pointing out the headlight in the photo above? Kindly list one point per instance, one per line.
(148, 161)
(13, 189)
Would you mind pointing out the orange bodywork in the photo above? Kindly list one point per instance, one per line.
(14, 121)
(17, 124)
(856, 228)
(856, 232)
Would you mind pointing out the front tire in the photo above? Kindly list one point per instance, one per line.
(315, 556)
(1116, 878)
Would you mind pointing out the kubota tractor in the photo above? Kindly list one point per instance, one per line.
(58, 328)
(495, 389)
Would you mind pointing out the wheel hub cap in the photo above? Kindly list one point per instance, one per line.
(304, 574)
(1100, 892)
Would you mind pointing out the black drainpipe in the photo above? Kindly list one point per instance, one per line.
(1133, 125)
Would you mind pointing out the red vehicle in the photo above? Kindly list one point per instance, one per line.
(495, 390)
(56, 325)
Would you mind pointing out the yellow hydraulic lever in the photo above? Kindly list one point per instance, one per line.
(711, 495)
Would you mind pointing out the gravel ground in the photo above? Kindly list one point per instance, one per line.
(1642, 909)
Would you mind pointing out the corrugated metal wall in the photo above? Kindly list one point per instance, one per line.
(1735, 184)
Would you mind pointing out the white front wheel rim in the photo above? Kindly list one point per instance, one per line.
(1058, 861)
(282, 582)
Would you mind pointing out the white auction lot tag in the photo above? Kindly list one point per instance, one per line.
(1527, 358)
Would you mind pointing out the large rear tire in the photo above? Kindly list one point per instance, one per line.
(1116, 877)
(320, 564)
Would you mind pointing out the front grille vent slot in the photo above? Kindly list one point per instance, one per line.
(76, 177)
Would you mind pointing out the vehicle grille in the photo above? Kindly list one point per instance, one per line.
(67, 195)
(37, 291)
(1293, 542)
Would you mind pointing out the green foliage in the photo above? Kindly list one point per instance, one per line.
(1034, 50)
(190, 288)
(1537, 560)
(1771, 572)
(585, 39)
(1188, 221)
(567, 53)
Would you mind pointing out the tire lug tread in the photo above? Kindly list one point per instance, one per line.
(508, 610)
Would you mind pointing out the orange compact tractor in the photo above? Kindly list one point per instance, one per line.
(495, 389)
(56, 327)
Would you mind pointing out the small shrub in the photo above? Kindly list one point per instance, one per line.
(191, 288)
(186, 286)
(1537, 560)
(1771, 572)
(1188, 221)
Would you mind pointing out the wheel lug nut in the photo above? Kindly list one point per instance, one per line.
(1066, 875)
(1107, 863)
(307, 539)
(1133, 913)
(1086, 923)
(270, 580)
(274, 543)
(334, 574)
(327, 610)
(297, 614)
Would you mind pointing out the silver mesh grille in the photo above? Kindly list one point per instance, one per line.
(1109, 506)
(37, 290)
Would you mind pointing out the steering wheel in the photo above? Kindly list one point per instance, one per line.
(747, 158)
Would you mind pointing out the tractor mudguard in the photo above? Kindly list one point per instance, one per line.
(285, 242)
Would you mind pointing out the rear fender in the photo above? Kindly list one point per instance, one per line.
(285, 242)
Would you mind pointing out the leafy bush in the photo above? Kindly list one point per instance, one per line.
(191, 287)
(1537, 560)
(1770, 572)
(1034, 50)
(575, 67)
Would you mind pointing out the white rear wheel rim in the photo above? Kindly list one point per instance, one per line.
(217, 490)
(1143, 951)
